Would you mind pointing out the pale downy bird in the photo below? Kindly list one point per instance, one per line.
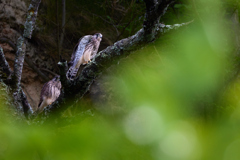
(50, 92)
(84, 51)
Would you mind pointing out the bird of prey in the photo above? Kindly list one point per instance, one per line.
(84, 51)
(50, 92)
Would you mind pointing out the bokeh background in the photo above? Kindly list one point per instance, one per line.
(178, 98)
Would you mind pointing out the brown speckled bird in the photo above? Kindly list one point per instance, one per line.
(84, 51)
(50, 92)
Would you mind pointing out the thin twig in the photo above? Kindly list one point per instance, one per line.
(165, 28)
(4, 64)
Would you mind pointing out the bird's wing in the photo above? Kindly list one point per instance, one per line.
(45, 92)
(56, 89)
(74, 50)
(79, 49)
(76, 56)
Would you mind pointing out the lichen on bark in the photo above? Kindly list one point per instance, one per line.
(31, 18)
(4, 66)
(19, 60)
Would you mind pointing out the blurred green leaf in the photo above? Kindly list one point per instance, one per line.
(172, 100)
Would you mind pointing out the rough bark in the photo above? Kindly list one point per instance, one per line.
(31, 18)
(20, 100)
(5, 68)
(154, 11)
(18, 63)
(21, 44)
(63, 68)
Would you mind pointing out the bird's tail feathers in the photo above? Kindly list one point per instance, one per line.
(40, 107)
(72, 73)
(39, 104)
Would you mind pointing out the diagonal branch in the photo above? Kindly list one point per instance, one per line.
(111, 55)
(75, 90)
(104, 59)
(165, 28)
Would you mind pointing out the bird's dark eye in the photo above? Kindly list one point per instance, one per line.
(100, 35)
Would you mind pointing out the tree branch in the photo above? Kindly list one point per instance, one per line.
(31, 18)
(8, 41)
(27, 109)
(150, 4)
(4, 65)
(18, 62)
(165, 28)
(104, 59)
(154, 11)
(20, 99)
(63, 68)
(21, 44)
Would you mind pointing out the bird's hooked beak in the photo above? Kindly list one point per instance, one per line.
(57, 78)
(99, 36)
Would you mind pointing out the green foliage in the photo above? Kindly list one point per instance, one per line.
(178, 100)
